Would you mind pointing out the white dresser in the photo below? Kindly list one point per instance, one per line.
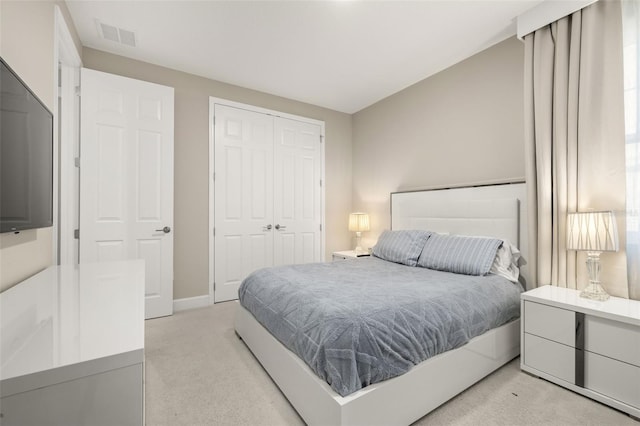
(590, 347)
(72, 346)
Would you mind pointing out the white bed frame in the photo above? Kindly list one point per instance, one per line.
(489, 210)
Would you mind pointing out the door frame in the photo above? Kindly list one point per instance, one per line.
(66, 136)
(220, 101)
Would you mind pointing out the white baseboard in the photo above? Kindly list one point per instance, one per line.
(190, 303)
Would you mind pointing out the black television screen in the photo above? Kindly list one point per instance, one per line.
(26, 156)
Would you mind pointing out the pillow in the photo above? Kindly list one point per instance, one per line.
(459, 254)
(506, 262)
(401, 246)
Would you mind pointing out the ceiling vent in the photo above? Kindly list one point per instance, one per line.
(118, 35)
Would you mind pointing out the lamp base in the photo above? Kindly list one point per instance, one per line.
(358, 249)
(594, 291)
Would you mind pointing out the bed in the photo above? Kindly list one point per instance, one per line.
(486, 211)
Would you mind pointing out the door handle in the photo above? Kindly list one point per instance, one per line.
(279, 227)
(166, 230)
(267, 228)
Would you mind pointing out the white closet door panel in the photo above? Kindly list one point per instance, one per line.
(286, 249)
(309, 243)
(259, 252)
(309, 188)
(126, 179)
(286, 180)
(297, 192)
(150, 109)
(259, 171)
(243, 193)
(231, 256)
(231, 173)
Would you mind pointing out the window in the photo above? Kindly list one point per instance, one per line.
(631, 33)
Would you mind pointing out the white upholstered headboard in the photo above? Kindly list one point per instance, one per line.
(491, 210)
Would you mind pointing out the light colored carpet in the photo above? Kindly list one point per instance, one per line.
(198, 372)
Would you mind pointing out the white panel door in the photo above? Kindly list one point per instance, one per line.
(126, 179)
(297, 192)
(243, 197)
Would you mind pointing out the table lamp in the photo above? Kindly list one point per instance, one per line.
(358, 222)
(593, 232)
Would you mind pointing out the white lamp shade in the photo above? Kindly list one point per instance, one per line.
(358, 222)
(592, 231)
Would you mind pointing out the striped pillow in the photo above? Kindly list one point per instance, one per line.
(459, 254)
(401, 246)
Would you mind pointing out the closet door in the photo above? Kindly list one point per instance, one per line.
(243, 197)
(297, 192)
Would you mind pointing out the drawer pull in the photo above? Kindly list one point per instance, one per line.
(579, 350)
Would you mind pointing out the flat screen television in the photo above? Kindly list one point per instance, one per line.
(26, 156)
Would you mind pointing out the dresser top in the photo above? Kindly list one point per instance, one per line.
(66, 315)
(616, 308)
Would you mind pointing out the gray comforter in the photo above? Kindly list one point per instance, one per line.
(359, 322)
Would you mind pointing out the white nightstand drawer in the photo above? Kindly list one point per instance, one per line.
(550, 322)
(550, 357)
(613, 339)
(618, 380)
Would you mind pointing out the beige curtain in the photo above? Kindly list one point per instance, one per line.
(574, 140)
(631, 47)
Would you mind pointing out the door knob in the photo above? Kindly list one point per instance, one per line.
(267, 228)
(166, 230)
(279, 227)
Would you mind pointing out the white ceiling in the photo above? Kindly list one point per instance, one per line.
(342, 55)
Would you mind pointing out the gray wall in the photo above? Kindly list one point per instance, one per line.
(191, 247)
(27, 45)
(463, 125)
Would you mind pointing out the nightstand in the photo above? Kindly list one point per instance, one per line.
(590, 347)
(347, 254)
